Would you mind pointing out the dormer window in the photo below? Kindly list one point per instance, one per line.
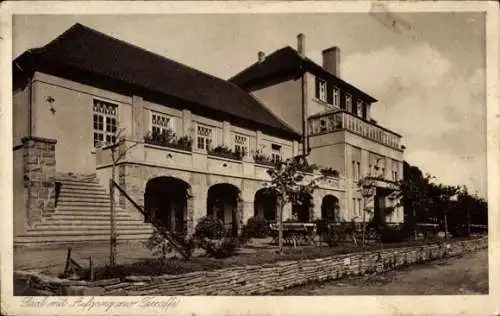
(336, 96)
(321, 89)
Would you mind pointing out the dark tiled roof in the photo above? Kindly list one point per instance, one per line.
(283, 62)
(92, 52)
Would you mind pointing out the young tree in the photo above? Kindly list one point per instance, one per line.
(118, 150)
(290, 185)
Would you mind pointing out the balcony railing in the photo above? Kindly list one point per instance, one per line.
(341, 120)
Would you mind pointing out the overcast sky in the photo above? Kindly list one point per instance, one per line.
(428, 71)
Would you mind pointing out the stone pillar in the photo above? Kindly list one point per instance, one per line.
(39, 169)
(226, 135)
(138, 128)
(365, 170)
(388, 168)
(258, 140)
(187, 123)
(295, 148)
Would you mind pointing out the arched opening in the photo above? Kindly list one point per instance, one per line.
(166, 203)
(330, 208)
(223, 203)
(302, 209)
(265, 204)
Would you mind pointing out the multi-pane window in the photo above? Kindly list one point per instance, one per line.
(105, 123)
(336, 96)
(276, 153)
(356, 169)
(322, 90)
(204, 137)
(348, 101)
(359, 106)
(240, 144)
(160, 123)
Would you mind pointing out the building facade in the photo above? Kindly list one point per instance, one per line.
(335, 120)
(194, 145)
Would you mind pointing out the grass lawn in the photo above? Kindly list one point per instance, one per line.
(156, 266)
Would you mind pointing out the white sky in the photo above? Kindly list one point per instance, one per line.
(428, 71)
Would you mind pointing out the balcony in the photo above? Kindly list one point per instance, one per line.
(338, 120)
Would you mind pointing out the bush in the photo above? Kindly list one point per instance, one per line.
(223, 248)
(210, 228)
(257, 228)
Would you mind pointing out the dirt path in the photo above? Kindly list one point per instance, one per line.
(455, 276)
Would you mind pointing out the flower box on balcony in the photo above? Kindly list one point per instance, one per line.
(169, 140)
(263, 160)
(224, 152)
(329, 172)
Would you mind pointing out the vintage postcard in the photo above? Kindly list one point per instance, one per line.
(253, 158)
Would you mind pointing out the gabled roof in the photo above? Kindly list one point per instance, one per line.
(90, 52)
(287, 62)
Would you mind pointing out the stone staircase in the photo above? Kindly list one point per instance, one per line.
(82, 216)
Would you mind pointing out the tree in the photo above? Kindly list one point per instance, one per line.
(118, 150)
(290, 185)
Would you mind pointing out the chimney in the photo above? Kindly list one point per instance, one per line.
(331, 60)
(301, 45)
(261, 56)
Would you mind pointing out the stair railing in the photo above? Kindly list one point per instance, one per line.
(166, 234)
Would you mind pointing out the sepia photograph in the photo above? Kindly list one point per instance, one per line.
(246, 154)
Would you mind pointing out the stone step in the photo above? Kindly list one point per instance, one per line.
(62, 200)
(76, 216)
(89, 211)
(83, 193)
(85, 229)
(77, 238)
(84, 203)
(90, 225)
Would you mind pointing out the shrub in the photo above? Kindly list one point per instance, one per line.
(223, 248)
(210, 228)
(223, 151)
(257, 227)
(330, 172)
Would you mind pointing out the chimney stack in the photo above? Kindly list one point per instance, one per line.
(301, 45)
(261, 56)
(331, 60)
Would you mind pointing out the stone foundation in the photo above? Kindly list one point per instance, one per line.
(258, 279)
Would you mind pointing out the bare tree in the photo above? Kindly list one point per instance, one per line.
(118, 150)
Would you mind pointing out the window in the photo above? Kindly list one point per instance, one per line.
(276, 153)
(360, 207)
(370, 170)
(322, 125)
(240, 144)
(359, 105)
(321, 89)
(348, 101)
(105, 123)
(354, 207)
(336, 96)
(358, 171)
(204, 137)
(160, 123)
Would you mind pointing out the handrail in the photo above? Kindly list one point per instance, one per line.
(179, 249)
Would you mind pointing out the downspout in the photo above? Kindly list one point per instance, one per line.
(305, 144)
(30, 108)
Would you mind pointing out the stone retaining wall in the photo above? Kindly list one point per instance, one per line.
(258, 279)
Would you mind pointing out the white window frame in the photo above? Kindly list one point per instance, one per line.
(238, 145)
(348, 102)
(276, 154)
(322, 89)
(207, 140)
(336, 96)
(108, 127)
(170, 122)
(359, 108)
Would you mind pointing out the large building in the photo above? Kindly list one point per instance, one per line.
(195, 145)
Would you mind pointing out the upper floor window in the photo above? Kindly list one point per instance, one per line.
(160, 123)
(240, 144)
(359, 108)
(336, 96)
(204, 137)
(321, 89)
(105, 123)
(276, 153)
(348, 101)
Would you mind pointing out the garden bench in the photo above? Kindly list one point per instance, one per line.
(294, 232)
